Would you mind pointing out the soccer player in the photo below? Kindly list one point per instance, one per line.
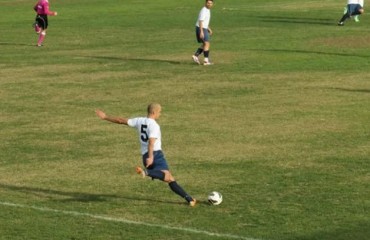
(41, 22)
(153, 159)
(203, 33)
(354, 8)
(356, 18)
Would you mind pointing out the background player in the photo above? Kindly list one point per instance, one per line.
(41, 22)
(354, 7)
(203, 33)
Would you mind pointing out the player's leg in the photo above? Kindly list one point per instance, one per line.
(176, 188)
(200, 49)
(346, 15)
(43, 24)
(37, 25)
(155, 170)
(206, 47)
(41, 37)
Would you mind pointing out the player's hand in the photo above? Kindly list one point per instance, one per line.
(210, 31)
(55, 13)
(201, 35)
(100, 114)
(149, 161)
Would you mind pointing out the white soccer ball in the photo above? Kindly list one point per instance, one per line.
(215, 198)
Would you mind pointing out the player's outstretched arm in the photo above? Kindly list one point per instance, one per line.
(103, 116)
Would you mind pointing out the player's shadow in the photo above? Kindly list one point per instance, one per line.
(69, 196)
(310, 52)
(49, 193)
(352, 90)
(16, 44)
(297, 20)
(109, 58)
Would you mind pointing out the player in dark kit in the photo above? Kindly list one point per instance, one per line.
(354, 8)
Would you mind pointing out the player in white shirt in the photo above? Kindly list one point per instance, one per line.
(354, 8)
(203, 33)
(154, 161)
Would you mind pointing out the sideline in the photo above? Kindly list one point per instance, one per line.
(126, 221)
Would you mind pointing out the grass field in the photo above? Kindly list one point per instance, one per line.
(280, 125)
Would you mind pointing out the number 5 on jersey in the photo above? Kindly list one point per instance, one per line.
(144, 135)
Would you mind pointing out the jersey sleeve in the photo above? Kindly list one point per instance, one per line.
(132, 122)
(202, 14)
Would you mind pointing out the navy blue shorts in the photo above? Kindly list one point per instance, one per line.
(206, 35)
(159, 162)
(353, 9)
(42, 21)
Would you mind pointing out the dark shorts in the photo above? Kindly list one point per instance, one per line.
(42, 21)
(159, 162)
(206, 35)
(353, 9)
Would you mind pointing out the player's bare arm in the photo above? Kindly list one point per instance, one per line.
(149, 160)
(103, 116)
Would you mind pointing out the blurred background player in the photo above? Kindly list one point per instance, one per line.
(203, 33)
(41, 21)
(354, 8)
(356, 18)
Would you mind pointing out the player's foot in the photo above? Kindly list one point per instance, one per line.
(140, 171)
(193, 203)
(356, 18)
(39, 45)
(196, 59)
(207, 63)
(341, 24)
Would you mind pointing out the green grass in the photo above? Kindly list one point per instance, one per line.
(279, 125)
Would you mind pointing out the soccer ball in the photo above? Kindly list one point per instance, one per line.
(215, 198)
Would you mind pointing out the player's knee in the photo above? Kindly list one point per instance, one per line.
(168, 177)
(361, 10)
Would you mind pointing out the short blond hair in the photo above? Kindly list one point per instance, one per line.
(153, 107)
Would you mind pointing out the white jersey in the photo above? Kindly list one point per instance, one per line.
(361, 2)
(147, 128)
(204, 16)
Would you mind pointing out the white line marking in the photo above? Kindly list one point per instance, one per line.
(122, 220)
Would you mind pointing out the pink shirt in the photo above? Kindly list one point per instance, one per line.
(42, 8)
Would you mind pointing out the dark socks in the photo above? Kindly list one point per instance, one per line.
(345, 16)
(206, 54)
(198, 52)
(178, 190)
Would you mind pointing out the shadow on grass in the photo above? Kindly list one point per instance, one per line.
(134, 59)
(296, 20)
(16, 44)
(49, 193)
(310, 52)
(83, 197)
(352, 90)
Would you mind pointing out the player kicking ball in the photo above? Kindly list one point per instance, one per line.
(154, 161)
